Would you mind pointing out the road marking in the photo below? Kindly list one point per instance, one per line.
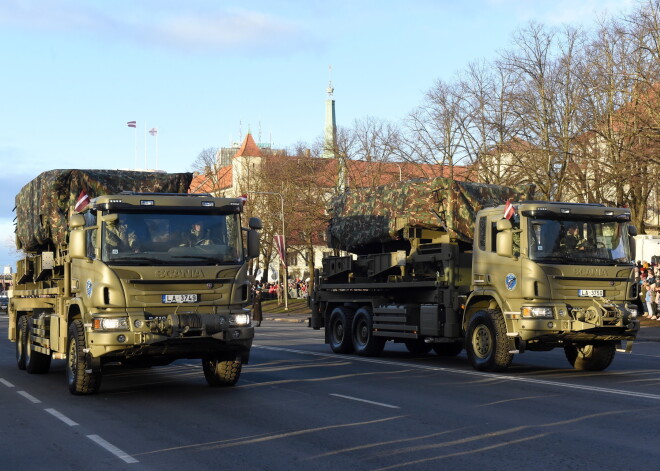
(112, 449)
(6, 383)
(480, 374)
(29, 397)
(364, 400)
(62, 417)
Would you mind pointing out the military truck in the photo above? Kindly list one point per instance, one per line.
(445, 265)
(126, 267)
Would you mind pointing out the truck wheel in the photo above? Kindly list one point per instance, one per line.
(487, 346)
(590, 357)
(418, 346)
(364, 341)
(448, 349)
(82, 378)
(341, 321)
(21, 341)
(221, 372)
(35, 362)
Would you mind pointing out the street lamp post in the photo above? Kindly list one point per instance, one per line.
(285, 287)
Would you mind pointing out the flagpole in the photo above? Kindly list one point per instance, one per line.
(145, 145)
(135, 139)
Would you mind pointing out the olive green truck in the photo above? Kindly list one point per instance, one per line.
(446, 265)
(126, 267)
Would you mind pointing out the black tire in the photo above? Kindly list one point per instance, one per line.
(418, 346)
(590, 357)
(35, 362)
(448, 349)
(364, 341)
(221, 373)
(82, 378)
(341, 322)
(487, 345)
(21, 341)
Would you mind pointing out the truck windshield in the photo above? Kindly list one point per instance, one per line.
(172, 239)
(578, 242)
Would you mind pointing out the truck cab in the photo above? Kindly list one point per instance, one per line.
(553, 275)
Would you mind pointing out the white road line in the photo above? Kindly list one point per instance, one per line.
(62, 417)
(6, 383)
(491, 376)
(29, 397)
(364, 400)
(112, 449)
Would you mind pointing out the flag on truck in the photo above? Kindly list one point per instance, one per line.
(82, 202)
(281, 250)
(509, 210)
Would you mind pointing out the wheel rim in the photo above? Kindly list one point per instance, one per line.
(20, 344)
(338, 331)
(71, 360)
(482, 341)
(362, 333)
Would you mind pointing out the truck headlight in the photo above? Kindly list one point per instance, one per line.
(116, 323)
(543, 312)
(239, 319)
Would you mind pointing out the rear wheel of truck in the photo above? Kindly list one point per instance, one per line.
(81, 376)
(590, 357)
(448, 349)
(364, 341)
(35, 362)
(219, 373)
(341, 321)
(21, 341)
(418, 346)
(487, 345)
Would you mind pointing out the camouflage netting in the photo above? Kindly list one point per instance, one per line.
(42, 206)
(366, 216)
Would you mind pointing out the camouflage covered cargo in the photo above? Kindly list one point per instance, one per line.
(42, 206)
(362, 217)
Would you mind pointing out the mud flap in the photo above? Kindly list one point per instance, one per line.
(94, 363)
(624, 346)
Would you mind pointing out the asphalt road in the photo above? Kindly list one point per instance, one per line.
(298, 406)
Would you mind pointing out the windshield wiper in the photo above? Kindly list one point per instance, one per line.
(135, 259)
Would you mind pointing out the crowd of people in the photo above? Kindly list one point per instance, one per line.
(648, 277)
(297, 289)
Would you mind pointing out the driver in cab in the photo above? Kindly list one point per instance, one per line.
(198, 235)
(571, 240)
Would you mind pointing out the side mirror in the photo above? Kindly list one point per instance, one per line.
(76, 220)
(252, 243)
(78, 243)
(505, 244)
(632, 230)
(255, 223)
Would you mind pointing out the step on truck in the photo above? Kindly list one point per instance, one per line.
(126, 267)
(445, 265)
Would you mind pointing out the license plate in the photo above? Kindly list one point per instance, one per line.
(179, 298)
(591, 293)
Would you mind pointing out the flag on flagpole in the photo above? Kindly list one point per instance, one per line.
(281, 250)
(509, 210)
(82, 202)
(153, 131)
(132, 124)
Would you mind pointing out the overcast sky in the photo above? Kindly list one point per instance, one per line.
(205, 72)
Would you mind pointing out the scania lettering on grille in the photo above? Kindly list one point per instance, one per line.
(183, 273)
(590, 272)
